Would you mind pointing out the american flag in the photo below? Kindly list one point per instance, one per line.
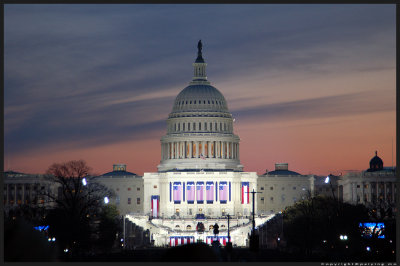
(245, 193)
(190, 192)
(223, 192)
(200, 191)
(210, 191)
(177, 192)
(155, 206)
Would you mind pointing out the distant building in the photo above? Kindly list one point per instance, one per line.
(26, 189)
(375, 187)
(281, 188)
(128, 188)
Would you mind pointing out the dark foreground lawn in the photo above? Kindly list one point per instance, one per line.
(203, 253)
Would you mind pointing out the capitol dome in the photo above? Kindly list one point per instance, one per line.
(200, 97)
(200, 128)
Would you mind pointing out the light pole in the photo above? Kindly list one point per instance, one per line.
(253, 238)
(328, 180)
(123, 219)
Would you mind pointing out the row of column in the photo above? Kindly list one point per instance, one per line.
(373, 190)
(200, 149)
(19, 193)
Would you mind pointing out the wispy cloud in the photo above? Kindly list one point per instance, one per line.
(350, 104)
(92, 74)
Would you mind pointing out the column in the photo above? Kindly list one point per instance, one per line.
(209, 148)
(231, 146)
(190, 149)
(203, 148)
(15, 194)
(384, 192)
(168, 151)
(197, 149)
(222, 150)
(392, 192)
(237, 151)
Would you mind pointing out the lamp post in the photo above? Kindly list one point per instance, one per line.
(328, 180)
(123, 244)
(253, 238)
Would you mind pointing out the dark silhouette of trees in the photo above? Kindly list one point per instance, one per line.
(109, 227)
(77, 205)
(315, 224)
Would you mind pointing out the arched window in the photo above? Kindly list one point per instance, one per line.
(189, 227)
(199, 125)
(194, 126)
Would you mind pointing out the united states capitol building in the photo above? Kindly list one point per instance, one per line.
(200, 178)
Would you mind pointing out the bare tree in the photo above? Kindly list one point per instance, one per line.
(77, 202)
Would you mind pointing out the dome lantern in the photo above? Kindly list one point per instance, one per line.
(199, 66)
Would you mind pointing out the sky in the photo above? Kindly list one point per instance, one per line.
(308, 85)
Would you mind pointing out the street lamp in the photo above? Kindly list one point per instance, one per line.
(327, 180)
(84, 181)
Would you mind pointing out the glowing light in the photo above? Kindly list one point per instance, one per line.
(41, 227)
(368, 249)
(66, 250)
(53, 239)
(106, 200)
(84, 182)
(327, 180)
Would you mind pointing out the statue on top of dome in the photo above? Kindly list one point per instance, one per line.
(199, 46)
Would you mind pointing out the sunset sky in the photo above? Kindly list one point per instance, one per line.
(308, 85)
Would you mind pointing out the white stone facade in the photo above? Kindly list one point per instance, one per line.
(161, 184)
(368, 188)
